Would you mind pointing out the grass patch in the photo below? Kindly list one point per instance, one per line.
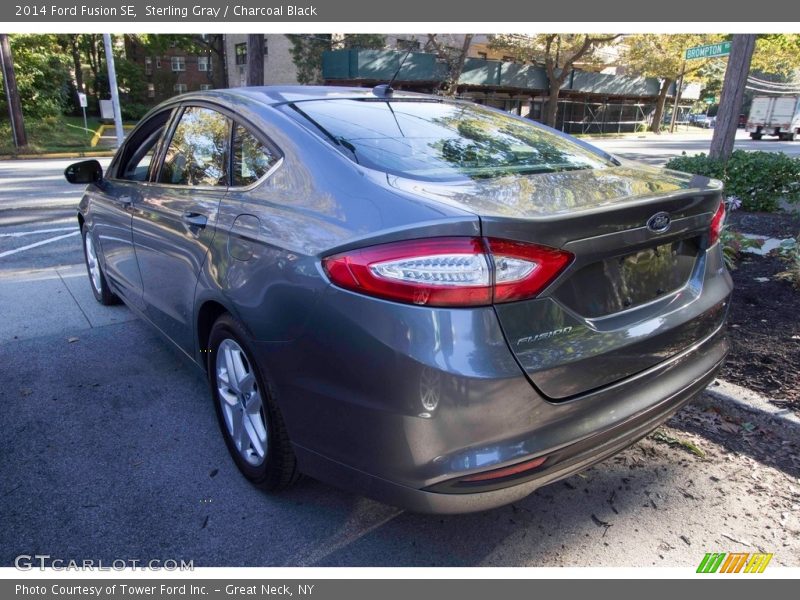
(52, 134)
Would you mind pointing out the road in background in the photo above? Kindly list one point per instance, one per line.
(37, 205)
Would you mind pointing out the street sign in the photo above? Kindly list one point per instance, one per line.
(710, 100)
(708, 51)
(82, 101)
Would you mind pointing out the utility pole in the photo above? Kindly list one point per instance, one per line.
(678, 89)
(742, 46)
(112, 83)
(12, 94)
(255, 59)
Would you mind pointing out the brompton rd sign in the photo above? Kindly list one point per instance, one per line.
(709, 51)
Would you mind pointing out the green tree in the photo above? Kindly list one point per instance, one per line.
(308, 48)
(662, 55)
(42, 73)
(557, 52)
(777, 54)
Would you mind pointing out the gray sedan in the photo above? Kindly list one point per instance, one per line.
(429, 302)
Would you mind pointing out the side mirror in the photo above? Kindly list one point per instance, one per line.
(86, 171)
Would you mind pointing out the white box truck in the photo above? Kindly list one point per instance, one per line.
(774, 115)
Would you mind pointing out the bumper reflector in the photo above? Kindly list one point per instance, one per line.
(528, 465)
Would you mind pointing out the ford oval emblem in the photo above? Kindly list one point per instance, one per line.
(659, 222)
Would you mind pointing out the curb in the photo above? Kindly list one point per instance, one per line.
(88, 154)
(97, 135)
(751, 402)
(100, 132)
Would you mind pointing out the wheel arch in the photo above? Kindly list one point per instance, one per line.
(208, 312)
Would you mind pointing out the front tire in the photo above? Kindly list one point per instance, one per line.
(248, 416)
(755, 136)
(97, 279)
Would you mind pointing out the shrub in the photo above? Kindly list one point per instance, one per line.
(733, 244)
(790, 253)
(133, 111)
(760, 179)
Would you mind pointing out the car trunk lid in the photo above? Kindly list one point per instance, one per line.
(632, 296)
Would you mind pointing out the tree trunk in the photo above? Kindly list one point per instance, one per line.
(458, 66)
(730, 102)
(221, 72)
(551, 108)
(255, 59)
(12, 93)
(78, 66)
(655, 126)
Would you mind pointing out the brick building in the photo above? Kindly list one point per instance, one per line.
(176, 71)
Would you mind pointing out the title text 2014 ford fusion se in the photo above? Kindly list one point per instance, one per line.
(433, 303)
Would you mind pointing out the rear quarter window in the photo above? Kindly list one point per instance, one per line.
(252, 159)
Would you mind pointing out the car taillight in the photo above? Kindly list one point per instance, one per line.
(716, 224)
(448, 271)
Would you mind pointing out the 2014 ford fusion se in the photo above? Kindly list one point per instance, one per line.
(430, 302)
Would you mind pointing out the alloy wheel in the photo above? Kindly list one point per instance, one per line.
(241, 402)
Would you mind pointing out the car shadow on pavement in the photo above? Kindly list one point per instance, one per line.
(641, 496)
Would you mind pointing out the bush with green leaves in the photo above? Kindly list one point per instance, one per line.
(790, 253)
(734, 243)
(760, 179)
(133, 111)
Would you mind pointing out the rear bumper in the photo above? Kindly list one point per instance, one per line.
(592, 430)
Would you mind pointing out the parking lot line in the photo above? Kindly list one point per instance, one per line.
(38, 231)
(36, 244)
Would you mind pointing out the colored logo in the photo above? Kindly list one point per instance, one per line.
(734, 562)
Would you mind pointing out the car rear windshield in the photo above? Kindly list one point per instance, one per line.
(442, 141)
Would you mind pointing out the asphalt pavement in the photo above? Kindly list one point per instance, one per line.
(110, 448)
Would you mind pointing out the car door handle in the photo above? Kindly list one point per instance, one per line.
(195, 219)
(125, 201)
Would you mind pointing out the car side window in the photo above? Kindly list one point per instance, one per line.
(140, 150)
(251, 158)
(197, 153)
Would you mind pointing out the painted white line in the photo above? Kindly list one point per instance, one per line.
(42, 243)
(38, 231)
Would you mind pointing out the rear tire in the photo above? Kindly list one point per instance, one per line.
(248, 416)
(97, 279)
(755, 136)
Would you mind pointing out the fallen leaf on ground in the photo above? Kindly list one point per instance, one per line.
(599, 522)
(661, 436)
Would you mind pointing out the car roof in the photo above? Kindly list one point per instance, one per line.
(275, 95)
